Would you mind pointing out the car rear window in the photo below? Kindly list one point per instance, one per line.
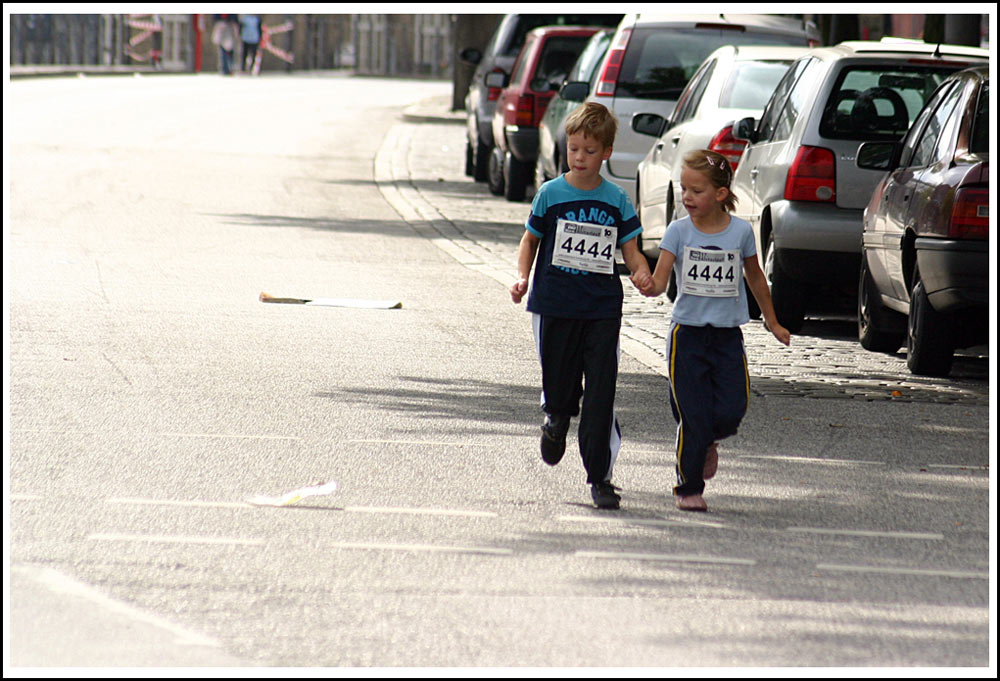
(659, 61)
(559, 53)
(751, 83)
(529, 22)
(878, 102)
(980, 142)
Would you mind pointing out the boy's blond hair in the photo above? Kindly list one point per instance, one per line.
(593, 120)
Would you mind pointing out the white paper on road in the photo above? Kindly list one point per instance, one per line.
(295, 495)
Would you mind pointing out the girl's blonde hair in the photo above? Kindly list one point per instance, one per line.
(717, 169)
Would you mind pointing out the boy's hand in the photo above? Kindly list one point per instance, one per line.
(644, 282)
(518, 289)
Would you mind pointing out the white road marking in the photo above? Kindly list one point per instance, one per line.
(962, 467)
(176, 502)
(904, 571)
(653, 522)
(421, 547)
(229, 436)
(868, 533)
(663, 557)
(65, 584)
(174, 539)
(806, 459)
(420, 442)
(420, 511)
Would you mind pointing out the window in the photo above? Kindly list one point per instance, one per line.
(659, 62)
(776, 104)
(688, 103)
(913, 136)
(927, 151)
(751, 83)
(979, 143)
(878, 101)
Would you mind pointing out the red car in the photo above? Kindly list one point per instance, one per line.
(544, 62)
(925, 245)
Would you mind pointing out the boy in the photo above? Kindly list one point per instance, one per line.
(576, 222)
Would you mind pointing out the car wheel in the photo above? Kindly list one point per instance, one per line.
(494, 177)
(787, 295)
(470, 160)
(879, 328)
(481, 162)
(929, 345)
(516, 174)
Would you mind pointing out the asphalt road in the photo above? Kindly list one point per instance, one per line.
(152, 395)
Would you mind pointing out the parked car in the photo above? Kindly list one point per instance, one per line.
(798, 184)
(925, 241)
(498, 56)
(552, 130)
(544, 62)
(733, 83)
(652, 58)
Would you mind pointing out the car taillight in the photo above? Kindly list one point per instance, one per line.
(494, 92)
(612, 69)
(727, 145)
(970, 214)
(812, 176)
(524, 113)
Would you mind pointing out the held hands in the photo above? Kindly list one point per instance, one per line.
(518, 289)
(644, 282)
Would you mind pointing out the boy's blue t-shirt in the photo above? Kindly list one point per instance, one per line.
(695, 309)
(561, 291)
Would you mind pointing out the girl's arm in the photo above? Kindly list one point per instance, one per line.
(661, 275)
(758, 286)
(525, 259)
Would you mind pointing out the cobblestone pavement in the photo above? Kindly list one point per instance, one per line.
(420, 171)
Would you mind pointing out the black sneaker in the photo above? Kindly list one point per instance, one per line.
(554, 438)
(604, 495)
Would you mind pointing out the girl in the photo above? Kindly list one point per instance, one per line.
(709, 384)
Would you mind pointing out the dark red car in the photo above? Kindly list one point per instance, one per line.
(544, 62)
(925, 245)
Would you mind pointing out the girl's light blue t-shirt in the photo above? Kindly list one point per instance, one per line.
(697, 310)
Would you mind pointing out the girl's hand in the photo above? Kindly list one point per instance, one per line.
(779, 332)
(518, 289)
(644, 282)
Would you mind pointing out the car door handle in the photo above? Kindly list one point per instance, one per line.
(754, 173)
(675, 140)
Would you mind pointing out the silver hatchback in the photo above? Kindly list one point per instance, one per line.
(797, 183)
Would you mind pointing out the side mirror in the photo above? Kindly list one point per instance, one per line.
(746, 129)
(471, 55)
(879, 155)
(497, 79)
(648, 124)
(575, 91)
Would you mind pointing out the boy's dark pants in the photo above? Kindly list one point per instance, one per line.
(571, 350)
(709, 392)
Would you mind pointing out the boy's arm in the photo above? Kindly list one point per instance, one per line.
(525, 259)
(758, 286)
(636, 263)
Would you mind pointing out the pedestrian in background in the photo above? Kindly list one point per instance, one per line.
(710, 252)
(250, 33)
(224, 34)
(577, 222)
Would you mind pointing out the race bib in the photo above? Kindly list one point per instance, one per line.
(583, 246)
(711, 273)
